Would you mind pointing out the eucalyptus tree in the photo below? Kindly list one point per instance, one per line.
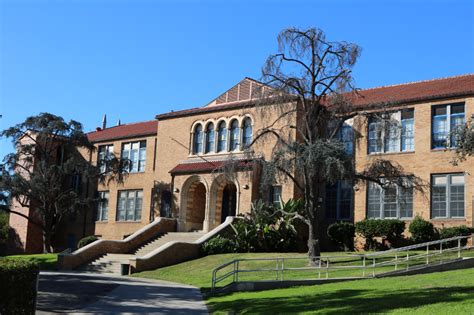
(46, 170)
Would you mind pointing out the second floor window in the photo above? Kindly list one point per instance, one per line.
(445, 120)
(129, 207)
(106, 152)
(198, 138)
(221, 137)
(247, 133)
(210, 138)
(394, 133)
(393, 202)
(103, 206)
(234, 135)
(135, 152)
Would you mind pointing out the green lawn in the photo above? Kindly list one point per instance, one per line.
(45, 261)
(435, 293)
(450, 292)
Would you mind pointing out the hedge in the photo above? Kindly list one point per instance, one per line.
(18, 284)
(388, 229)
(86, 240)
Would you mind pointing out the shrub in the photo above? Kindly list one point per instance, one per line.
(342, 233)
(86, 240)
(18, 280)
(421, 230)
(218, 245)
(4, 229)
(387, 229)
(453, 232)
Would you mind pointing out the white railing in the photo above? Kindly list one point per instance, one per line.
(356, 266)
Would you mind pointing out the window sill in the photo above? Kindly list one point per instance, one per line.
(128, 221)
(448, 219)
(390, 153)
(102, 222)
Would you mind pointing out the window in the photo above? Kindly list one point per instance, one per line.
(221, 137)
(394, 133)
(234, 135)
(247, 133)
(106, 152)
(339, 199)
(198, 140)
(390, 202)
(346, 136)
(446, 119)
(135, 152)
(275, 196)
(129, 207)
(103, 206)
(210, 138)
(447, 196)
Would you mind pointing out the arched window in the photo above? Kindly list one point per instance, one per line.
(221, 137)
(210, 138)
(234, 135)
(198, 138)
(247, 132)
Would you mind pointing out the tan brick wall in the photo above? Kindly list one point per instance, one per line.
(423, 162)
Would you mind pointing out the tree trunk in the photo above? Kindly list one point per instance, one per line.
(47, 242)
(314, 248)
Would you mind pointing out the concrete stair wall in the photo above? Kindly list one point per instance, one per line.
(188, 237)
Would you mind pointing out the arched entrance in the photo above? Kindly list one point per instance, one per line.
(196, 206)
(229, 201)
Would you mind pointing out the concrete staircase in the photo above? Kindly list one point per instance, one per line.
(111, 263)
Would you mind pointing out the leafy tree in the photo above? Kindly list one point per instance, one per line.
(311, 78)
(43, 172)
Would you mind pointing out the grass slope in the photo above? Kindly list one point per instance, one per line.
(437, 293)
(45, 261)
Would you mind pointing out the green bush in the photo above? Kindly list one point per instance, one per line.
(449, 232)
(4, 228)
(342, 233)
(421, 230)
(390, 230)
(18, 280)
(218, 245)
(86, 240)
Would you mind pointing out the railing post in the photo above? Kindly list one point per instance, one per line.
(459, 248)
(327, 269)
(237, 272)
(282, 269)
(373, 267)
(408, 259)
(396, 260)
(234, 274)
(276, 269)
(427, 254)
(363, 270)
(319, 269)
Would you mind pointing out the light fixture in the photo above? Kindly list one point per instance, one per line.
(245, 186)
(176, 190)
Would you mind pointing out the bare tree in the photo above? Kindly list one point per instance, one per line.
(310, 78)
(464, 138)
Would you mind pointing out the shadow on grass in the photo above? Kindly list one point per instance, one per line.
(347, 301)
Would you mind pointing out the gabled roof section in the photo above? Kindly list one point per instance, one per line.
(242, 91)
(134, 130)
(457, 86)
(406, 93)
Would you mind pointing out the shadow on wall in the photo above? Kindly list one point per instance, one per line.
(14, 245)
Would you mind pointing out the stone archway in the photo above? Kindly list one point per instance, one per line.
(193, 205)
(224, 200)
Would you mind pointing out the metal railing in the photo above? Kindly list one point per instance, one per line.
(356, 266)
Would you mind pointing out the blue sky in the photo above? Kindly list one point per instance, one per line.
(135, 59)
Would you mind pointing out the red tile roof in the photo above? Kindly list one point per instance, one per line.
(457, 86)
(417, 91)
(134, 130)
(207, 166)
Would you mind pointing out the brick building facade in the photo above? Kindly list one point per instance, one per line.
(175, 158)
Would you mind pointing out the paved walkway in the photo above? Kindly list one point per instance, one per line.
(80, 293)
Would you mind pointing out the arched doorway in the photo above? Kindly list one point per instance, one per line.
(196, 206)
(229, 201)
